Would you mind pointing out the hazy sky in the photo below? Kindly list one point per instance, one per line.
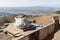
(25, 3)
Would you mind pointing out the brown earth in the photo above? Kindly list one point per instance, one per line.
(4, 36)
(42, 20)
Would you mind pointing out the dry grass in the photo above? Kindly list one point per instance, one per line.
(42, 20)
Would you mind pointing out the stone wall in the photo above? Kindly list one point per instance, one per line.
(23, 38)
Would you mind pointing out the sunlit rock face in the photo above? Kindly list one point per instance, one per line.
(21, 22)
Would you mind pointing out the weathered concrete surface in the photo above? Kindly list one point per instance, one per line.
(46, 31)
(51, 28)
(43, 33)
(23, 38)
(55, 35)
(12, 29)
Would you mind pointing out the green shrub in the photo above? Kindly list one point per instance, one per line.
(58, 12)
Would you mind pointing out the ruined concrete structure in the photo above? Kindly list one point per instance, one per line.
(46, 26)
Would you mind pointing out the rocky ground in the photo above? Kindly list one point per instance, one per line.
(4, 36)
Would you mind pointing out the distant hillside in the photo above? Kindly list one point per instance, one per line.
(4, 14)
(28, 10)
(31, 9)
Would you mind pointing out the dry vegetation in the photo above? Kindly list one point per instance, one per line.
(42, 20)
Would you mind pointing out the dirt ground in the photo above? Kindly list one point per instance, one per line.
(42, 20)
(4, 36)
